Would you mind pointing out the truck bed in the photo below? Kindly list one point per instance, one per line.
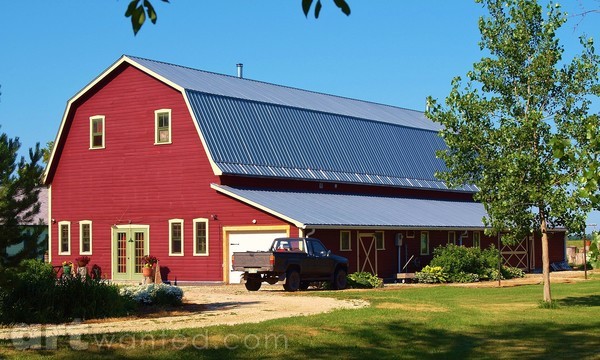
(252, 261)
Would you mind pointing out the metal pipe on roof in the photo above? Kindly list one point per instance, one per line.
(240, 70)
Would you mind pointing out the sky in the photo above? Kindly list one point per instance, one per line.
(394, 52)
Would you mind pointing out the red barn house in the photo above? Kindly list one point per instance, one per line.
(190, 166)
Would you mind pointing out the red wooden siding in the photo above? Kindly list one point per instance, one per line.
(134, 181)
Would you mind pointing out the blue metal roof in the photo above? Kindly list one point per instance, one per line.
(253, 128)
(314, 210)
(231, 86)
(261, 139)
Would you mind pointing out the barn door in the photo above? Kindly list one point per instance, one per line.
(516, 255)
(366, 253)
(129, 247)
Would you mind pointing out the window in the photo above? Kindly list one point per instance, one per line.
(162, 123)
(318, 249)
(410, 234)
(64, 236)
(97, 132)
(85, 237)
(201, 237)
(424, 243)
(451, 237)
(345, 243)
(176, 237)
(476, 239)
(379, 240)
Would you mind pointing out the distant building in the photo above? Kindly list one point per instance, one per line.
(190, 166)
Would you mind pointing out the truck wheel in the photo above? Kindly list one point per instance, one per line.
(292, 281)
(304, 285)
(252, 284)
(339, 280)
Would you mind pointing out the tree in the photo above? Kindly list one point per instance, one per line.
(520, 128)
(19, 190)
(139, 10)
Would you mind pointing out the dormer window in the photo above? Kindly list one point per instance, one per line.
(162, 122)
(97, 132)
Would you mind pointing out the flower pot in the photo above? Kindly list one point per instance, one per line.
(146, 271)
(66, 269)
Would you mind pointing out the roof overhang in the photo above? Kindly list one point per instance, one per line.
(333, 211)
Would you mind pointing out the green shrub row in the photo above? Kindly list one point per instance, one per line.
(461, 264)
(31, 293)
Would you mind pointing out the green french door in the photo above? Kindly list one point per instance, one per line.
(130, 244)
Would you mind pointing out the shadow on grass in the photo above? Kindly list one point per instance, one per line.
(590, 300)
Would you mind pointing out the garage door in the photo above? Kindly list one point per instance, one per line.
(249, 241)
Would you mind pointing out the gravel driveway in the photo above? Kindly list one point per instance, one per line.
(205, 306)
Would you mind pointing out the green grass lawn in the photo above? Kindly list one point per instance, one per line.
(411, 322)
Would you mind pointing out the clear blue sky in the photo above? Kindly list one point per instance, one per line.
(395, 52)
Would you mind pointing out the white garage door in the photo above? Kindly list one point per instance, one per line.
(249, 241)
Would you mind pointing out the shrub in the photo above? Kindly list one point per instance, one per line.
(364, 280)
(463, 277)
(431, 275)
(509, 272)
(154, 294)
(32, 294)
(455, 259)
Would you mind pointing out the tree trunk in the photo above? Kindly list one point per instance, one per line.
(545, 260)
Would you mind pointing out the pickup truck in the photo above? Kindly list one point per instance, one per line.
(296, 261)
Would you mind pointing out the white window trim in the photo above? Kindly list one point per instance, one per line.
(453, 237)
(196, 252)
(92, 118)
(81, 223)
(382, 239)
(175, 221)
(420, 244)
(161, 111)
(478, 239)
(349, 240)
(60, 224)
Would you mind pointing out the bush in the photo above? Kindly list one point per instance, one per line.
(32, 294)
(463, 277)
(154, 294)
(431, 275)
(509, 272)
(364, 280)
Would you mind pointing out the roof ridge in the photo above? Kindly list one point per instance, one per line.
(273, 84)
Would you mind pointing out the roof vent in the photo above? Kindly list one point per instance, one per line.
(240, 68)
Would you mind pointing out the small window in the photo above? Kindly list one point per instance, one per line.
(64, 236)
(452, 237)
(85, 237)
(97, 132)
(201, 237)
(379, 240)
(410, 234)
(424, 243)
(345, 243)
(476, 239)
(176, 237)
(163, 126)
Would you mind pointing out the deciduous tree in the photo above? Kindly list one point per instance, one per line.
(520, 126)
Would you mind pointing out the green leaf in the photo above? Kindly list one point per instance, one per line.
(131, 8)
(318, 7)
(306, 4)
(150, 10)
(343, 5)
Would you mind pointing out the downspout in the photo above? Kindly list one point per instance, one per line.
(310, 233)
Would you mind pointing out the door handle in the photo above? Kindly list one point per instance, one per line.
(234, 243)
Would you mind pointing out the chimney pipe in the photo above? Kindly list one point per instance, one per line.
(240, 68)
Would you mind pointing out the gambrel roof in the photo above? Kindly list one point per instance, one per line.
(253, 128)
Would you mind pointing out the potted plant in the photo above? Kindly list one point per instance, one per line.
(82, 261)
(67, 265)
(148, 264)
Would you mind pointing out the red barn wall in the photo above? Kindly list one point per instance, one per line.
(134, 181)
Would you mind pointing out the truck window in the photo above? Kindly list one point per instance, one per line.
(318, 249)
